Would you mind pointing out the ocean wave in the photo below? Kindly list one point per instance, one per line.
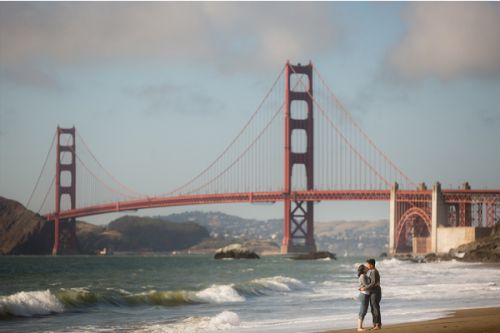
(167, 298)
(266, 286)
(37, 303)
(214, 294)
(29, 304)
(222, 321)
(220, 294)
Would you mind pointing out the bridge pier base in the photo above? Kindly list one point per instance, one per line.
(298, 227)
(65, 241)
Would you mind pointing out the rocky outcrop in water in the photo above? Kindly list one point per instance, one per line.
(485, 250)
(316, 256)
(235, 251)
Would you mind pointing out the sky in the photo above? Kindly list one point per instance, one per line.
(158, 89)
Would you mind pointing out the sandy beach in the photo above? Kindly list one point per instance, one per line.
(485, 320)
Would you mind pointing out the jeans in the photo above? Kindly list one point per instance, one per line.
(375, 297)
(363, 308)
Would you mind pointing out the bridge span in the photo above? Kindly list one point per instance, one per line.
(299, 147)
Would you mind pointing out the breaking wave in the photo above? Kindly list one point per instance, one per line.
(222, 321)
(266, 286)
(39, 303)
(29, 304)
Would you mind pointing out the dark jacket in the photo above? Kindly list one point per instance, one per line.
(374, 277)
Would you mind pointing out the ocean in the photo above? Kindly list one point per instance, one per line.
(200, 294)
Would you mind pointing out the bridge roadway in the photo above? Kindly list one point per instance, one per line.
(450, 196)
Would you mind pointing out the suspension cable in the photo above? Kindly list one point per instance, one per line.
(41, 171)
(137, 194)
(234, 140)
(370, 141)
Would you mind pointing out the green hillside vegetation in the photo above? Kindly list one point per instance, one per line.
(150, 234)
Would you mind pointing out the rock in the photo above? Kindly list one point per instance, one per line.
(235, 251)
(316, 255)
(383, 255)
(22, 231)
(432, 257)
(483, 250)
(454, 253)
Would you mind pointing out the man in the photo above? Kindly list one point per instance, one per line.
(375, 293)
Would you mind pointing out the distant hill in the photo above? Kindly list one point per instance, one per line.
(354, 238)
(221, 225)
(22, 231)
(140, 234)
(351, 237)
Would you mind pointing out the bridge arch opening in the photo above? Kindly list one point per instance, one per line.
(413, 234)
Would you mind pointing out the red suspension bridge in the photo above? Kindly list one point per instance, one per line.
(300, 146)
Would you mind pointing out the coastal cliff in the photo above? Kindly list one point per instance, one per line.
(485, 249)
(22, 231)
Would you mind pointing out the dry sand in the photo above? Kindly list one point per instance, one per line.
(485, 320)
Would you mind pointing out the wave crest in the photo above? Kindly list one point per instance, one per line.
(222, 321)
(45, 302)
(220, 294)
(265, 286)
(29, 304)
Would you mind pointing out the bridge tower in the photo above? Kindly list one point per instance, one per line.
(298, 233)
(65, 230)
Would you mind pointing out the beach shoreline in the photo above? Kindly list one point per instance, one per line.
(475, 320)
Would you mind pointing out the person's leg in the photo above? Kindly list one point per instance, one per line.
(375, 298)
(363, 309)
(372, 307)
(379, 298)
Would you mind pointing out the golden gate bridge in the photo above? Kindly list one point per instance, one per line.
(300, 146)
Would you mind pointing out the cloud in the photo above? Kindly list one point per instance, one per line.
(30, 76)
(166, 97)
(234, 37)
(449, 40)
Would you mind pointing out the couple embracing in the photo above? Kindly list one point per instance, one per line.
(369, 293)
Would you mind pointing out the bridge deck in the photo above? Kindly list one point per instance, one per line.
(450, 196)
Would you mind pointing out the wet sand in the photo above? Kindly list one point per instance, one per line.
(486, 320)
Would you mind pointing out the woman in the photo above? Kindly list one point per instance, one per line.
(364, 296)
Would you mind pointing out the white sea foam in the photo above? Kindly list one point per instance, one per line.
(279, 283)
(120, 290)
(219, 294)
(222, 321)
(30, 303)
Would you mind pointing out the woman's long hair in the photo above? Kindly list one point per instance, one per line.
(361, 270)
